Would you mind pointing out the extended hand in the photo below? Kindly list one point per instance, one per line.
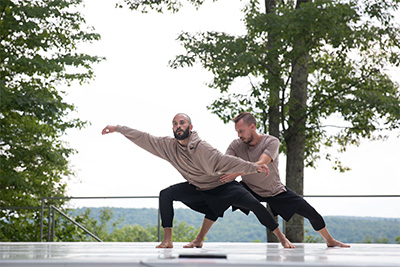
(225, 178)
(109, 129)
(263, 168)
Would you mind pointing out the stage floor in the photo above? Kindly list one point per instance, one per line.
(212, 254)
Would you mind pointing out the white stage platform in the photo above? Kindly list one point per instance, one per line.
(231, 254)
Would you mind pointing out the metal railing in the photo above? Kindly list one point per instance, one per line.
(52, 224)
(51, 209)
(51, 217)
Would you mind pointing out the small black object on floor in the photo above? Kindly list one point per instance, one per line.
(203, 256)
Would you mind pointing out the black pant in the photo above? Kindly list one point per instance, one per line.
(196, 200)
(316, 220)
(287, 204)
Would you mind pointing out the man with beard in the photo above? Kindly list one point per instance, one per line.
(264, 149)
(201, 165)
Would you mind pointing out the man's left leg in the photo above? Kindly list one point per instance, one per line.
(198, 241)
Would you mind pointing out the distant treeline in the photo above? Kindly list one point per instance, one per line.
(237, 227)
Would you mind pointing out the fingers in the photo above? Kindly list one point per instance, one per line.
(263, 168)
(225, 178)
(266, 170)
(105, 131)
(108, 129)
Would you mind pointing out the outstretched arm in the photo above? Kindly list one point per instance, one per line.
(263, 160)
(232, 176)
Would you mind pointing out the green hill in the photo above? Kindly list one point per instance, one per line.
(237, 227)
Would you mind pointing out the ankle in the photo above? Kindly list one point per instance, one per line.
(198, 239)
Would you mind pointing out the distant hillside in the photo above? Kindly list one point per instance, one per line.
(237, 227)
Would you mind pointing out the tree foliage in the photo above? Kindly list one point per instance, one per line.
(102, 223)
(38, 52)
(308, 63)
(122, 227)
(350, 46)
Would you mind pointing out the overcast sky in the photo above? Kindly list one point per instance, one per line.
(136, 88)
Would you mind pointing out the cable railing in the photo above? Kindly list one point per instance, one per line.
(52, 209)
(51, 217)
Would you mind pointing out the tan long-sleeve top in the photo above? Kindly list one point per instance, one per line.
(198, 162)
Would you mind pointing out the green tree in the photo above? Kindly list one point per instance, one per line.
(378, 240)
(182, 232)
(382, 240)
(132, 233)
(38, 52)
(311, 238)
(307, 62)
(367, 239)
(66, 231)
(106, 222)
(106, 227)
(397, 239)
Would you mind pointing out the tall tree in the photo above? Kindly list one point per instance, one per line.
(295, 136)
(38, 52)
(328, 58)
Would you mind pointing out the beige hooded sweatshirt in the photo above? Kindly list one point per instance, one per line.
(198, 162)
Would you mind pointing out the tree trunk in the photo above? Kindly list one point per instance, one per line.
(273, 77)
(273, 86)
(295, 137)
(296, 141)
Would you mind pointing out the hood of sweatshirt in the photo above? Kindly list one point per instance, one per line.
(194, 140)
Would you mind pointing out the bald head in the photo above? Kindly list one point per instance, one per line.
(182, 115)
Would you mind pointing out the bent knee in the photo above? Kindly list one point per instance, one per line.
(165, 193)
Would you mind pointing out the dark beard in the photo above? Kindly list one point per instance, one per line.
(250, 140)
(182, 136)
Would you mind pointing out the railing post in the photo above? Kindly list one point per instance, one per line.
(49, 224)
(53, 225)
(159, 224)
(41, 218)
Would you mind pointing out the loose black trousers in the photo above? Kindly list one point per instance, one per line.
(212, 203)
(288, 203)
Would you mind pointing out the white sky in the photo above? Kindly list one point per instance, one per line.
(134, 87)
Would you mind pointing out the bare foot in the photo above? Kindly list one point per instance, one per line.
(287, 244)
(194, 244)
(165, 244)
(335, 243)
(282, 238)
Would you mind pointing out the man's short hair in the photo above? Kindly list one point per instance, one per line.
(247, 118)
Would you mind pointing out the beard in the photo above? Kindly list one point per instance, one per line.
(182, 136)
(249, 140)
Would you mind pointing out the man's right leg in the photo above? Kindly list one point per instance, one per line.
(184, 192)
(167, 242)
